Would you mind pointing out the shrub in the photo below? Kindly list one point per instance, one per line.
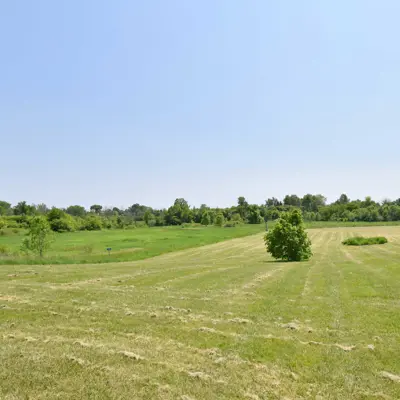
(92, 223)
(39, 237)
(65, 224)
(12, 221)
(4, 250)
(60, 221)
(232, 224)
(254, 216)
(139, 224)
(272, 214)
(236, 218)
(159, 221)
(55, 213)
(107, 224)
(3, 232)
(364, 241)
(20, 221)
(3, 223)
(205, 219)
(152, 223)
(147, 217)
(88, 249)
(219, 219)
(120, 222)
(288, 240)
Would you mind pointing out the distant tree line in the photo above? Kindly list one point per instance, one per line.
(313, 208)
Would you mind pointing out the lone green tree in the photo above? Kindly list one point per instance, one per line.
(288, 240)
(39, 237)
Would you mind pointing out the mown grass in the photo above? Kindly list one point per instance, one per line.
(127, 245)
(364, 241)
(222, 321)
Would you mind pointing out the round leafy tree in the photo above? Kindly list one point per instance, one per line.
(288, 240)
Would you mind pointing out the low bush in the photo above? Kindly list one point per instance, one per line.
(4, 250)
(219, 219)
(92, 223)
(364, 241)
(159, 221)
(191, 225)
(9, 232)
(140, 224)
(62, 224)
(236, 218)
(18, 221)
(232, 224)
(12, 221)
(88, 249)
(3, 223)
(106, 223)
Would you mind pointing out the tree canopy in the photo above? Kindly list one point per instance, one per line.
(314, 207)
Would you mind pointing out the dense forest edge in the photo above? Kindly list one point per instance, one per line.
(314, 209)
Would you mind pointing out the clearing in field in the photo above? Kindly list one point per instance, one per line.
(223, 321)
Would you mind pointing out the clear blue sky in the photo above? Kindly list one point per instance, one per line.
(125, 101)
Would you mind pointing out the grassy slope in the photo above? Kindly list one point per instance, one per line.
(63, 329)
(127, 245)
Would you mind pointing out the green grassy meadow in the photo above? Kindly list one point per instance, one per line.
(222, 321)
(127, 245)
(348, 224)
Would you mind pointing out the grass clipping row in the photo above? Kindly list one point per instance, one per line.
(364, 241)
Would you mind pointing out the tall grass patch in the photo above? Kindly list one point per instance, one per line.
(364, 241)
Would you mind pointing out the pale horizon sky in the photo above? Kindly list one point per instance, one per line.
(125, 102)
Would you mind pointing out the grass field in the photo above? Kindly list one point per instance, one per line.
(347, 224)
(221, 321)
(127, 245)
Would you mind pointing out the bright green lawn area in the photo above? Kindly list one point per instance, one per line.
(222, 321)
(127, 245)
(342, 224)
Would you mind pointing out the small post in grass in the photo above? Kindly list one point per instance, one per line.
(109, 250)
